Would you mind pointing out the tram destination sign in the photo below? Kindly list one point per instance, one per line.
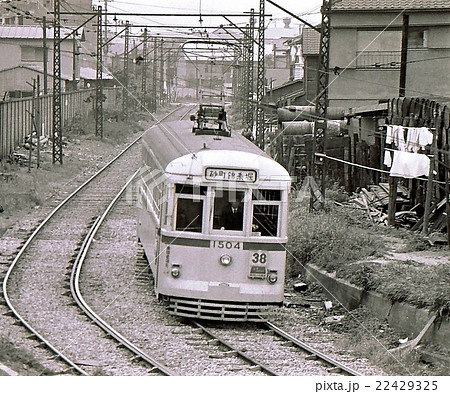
(227, 174)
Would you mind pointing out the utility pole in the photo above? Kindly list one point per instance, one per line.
(106, 29)
(251, 60)
(321, 107)
(45, 49)
(99, 78)
(125, 71)
(144, 70)
(74, 60)
(57, 150)
(37, 121)
(154, 74)
(260, 135)
(393, 180)
(404, 56)
(161, 73)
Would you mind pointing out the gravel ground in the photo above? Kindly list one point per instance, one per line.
(117, 284)
(83, 157)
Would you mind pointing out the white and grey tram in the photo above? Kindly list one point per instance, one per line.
(212, 219)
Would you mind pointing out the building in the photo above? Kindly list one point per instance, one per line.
(366, 44)
(25, 60)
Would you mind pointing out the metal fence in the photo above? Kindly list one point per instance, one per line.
(16, 115)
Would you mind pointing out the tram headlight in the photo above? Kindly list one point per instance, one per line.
(225, 259)
(175, 271)
(272, 277)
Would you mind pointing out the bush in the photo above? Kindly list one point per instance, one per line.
(329, 239)
(340, 242)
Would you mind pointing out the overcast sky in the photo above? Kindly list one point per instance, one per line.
(308, 10)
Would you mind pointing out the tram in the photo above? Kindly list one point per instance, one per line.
(212, 219)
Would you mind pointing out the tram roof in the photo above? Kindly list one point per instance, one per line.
(179, 151)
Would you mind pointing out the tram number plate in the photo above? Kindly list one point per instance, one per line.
(226, 245)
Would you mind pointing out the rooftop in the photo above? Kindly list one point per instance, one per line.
(383, 5)
(34, 32)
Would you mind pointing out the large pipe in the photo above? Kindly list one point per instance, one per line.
(298, 113)
(334, 127)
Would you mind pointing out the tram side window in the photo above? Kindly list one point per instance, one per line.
(228, 210)
(265, 215)
(189, 210)
(189, 215)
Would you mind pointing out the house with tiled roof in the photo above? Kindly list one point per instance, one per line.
(310, 45)
(366, 44)
(25, 60)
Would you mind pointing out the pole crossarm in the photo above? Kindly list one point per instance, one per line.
(78, 27)
(244, 33)
(244, 14)
(294, 16)
(113, 37)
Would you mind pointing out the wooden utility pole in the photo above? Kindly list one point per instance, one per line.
(393, 180)
(45, 49)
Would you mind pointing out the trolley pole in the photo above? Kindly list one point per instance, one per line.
(57, 127)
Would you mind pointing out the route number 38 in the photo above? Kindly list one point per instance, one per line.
(259, 258)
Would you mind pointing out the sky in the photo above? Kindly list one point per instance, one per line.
(308, 10)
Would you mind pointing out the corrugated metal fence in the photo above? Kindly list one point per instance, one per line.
(16, 120)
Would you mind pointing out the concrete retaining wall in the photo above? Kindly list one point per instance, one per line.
(401, 317)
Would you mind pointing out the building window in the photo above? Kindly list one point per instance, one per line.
(32, 54)
(417, 37)
(378, 49)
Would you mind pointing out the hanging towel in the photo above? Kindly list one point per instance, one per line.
(418, 137)
(395, 135)
(387, 158)
(409, 165)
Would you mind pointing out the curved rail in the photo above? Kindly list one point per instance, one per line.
(33, 236)
(238, 353)
(76, 293)
(309, 349)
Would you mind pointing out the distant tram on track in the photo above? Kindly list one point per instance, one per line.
(212, 219)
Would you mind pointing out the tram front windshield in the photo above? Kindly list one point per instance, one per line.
(228, 210)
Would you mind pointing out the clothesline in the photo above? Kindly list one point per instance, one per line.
(396, 150)
(366, 167)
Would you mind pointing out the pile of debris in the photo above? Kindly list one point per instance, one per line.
(21, 155)
(375, 200)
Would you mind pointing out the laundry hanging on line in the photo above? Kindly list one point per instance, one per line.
(406, 162)
(409, 165)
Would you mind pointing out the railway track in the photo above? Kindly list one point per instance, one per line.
(186, 347)
(35, 286)
(90, 255)
(272, 350)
